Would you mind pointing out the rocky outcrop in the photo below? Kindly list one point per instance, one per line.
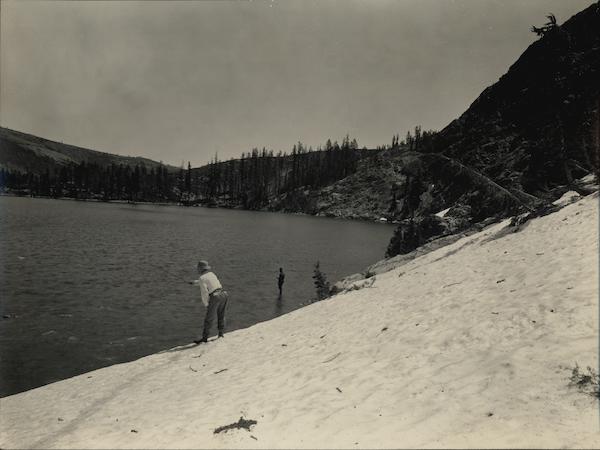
(538, 126)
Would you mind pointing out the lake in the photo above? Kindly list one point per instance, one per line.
(85, 285)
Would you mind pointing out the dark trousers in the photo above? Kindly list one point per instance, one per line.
(217, 303)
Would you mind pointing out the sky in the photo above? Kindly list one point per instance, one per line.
(187, 80)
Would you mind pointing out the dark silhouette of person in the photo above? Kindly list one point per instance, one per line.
(280, 280)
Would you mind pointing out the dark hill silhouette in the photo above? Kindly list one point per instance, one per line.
(537, 127)
(523, 143)
(24, 152)
(31, 165)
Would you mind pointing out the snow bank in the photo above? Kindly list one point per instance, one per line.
(471, 345)
(566, 198)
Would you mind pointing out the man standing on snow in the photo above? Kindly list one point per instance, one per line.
(214, 299)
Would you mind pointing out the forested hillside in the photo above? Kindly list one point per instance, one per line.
(259, 179)
(31, 165)
(35, 166)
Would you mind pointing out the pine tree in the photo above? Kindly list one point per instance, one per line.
(549, 26)
(188, 179)
(321, 283)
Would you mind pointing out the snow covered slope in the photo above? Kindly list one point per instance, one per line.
(471, 345)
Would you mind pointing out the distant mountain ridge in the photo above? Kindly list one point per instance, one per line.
(28, 153)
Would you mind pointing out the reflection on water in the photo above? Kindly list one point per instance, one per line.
(279, 305)
(85, 285)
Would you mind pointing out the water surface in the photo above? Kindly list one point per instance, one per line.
(85, 285)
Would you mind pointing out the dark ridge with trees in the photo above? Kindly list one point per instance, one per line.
(537, 127)
(258, 178)
(250, 182)
(30, 165)
(24, 152)
(92, 181)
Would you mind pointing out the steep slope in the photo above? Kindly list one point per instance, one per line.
(539, 126)
(527, 140)
(398, 184)
(365, 194)
(472, 345)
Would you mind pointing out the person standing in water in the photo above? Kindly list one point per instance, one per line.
(214, 299)
(280, 280)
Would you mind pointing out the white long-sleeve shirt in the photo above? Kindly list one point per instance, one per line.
(208, 283)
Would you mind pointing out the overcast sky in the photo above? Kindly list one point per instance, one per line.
(179, 81)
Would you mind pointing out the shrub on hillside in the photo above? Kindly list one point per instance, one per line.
(586, 381)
